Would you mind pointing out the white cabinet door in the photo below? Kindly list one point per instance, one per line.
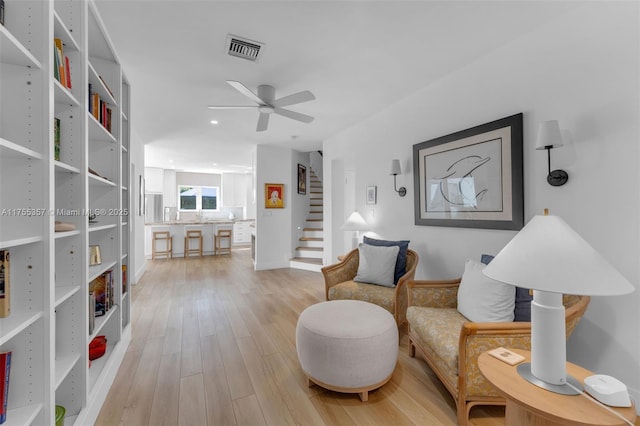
(154, 180)
(233, 190)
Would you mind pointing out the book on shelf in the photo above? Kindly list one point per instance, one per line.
(124, 279)
(92, 312)
(56, 139)
(67, 71)
(5, 368)
(102, 289)
(2, 12)
(5, 276)
(61, 68)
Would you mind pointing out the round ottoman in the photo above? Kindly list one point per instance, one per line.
(347, 346)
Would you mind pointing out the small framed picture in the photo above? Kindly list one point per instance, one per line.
(372, 194)
(302, 179)
(274, 195)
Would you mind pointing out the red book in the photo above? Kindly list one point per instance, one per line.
(67, 72)
(5, 367)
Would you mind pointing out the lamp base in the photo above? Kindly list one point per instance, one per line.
(525, 372)
(557, 178)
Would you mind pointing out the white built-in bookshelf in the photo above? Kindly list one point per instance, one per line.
(47, 330)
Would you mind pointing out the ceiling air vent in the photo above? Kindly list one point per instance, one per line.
(244, 48)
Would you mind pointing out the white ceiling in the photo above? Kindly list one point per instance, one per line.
(357, 57)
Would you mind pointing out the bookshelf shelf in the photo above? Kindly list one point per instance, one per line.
(14, 53)
(63, 167)
(102, 321)
(20, 241)
(16, 323)
(23, 415)
(47, 329)
(63, 96)
(64, 293)
(13, 150)
(64, 364)
(60, 31)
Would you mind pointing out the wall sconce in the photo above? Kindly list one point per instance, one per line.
(395, 170)
(550, 136)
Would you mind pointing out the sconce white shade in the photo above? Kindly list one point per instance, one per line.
(355, 222)
(548, 255)
(549, 135)
(395, 167)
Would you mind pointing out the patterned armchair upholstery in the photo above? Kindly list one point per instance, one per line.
(339, 285)
(451, 344)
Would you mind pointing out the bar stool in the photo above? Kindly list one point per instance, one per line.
(223, 232)
(162, 234)
(192, 233)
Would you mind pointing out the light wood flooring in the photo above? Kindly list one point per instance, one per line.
(214, 344)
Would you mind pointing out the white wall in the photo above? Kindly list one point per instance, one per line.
(582, 69)
(273, 226)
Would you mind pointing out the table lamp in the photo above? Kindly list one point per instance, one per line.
(356, 223)
(552, 259)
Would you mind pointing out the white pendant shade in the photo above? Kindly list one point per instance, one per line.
(548, 255)
(355, 222)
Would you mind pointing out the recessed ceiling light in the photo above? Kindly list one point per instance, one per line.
(171, 161)
(214, 122)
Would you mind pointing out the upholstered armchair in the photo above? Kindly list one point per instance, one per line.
(339, 284)
(451, 344)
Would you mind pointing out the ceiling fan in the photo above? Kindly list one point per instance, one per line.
(267, 104)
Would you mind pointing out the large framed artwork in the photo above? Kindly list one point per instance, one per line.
(274, 195)
(472, 178)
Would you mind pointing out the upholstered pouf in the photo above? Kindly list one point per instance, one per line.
(347, 346)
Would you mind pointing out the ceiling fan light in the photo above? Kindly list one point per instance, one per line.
(267, 109)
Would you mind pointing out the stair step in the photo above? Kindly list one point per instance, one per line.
(310, 248)
(311, 239)
(314, 220)
(312, 260)
(313, 229)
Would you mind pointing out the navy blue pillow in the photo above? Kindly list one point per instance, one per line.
(401, 261)
(522, 310)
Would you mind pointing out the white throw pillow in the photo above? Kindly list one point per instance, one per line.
(377, 264)
(482, 299)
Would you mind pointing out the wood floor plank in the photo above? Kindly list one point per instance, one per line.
(248, 411)
(268, 394)
(213, 343)
(216, 388)
(192, 411)
(165, 405)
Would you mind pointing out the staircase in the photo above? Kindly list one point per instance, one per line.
(310, 251)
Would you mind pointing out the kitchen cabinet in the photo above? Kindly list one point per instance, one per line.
(234, 190)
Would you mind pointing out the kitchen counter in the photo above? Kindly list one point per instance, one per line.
(177, 229)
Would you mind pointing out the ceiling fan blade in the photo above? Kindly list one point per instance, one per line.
(293, 115)
(296, 98)
(232, 106)
(263, 122)
(245, 91)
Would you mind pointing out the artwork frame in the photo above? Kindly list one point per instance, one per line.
(472, 178)
(272, 201)
(372, 194)
(141, 209)
(302, 179)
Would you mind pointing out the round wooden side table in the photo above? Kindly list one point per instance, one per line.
(528, 404)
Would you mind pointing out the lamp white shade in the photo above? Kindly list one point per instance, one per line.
(549, 135)
(355, 222)
(548, 255)
(395, 167)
